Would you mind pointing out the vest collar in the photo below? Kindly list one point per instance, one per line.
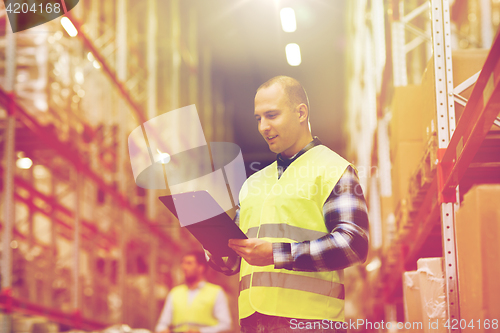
(284, 162)
(198, 286)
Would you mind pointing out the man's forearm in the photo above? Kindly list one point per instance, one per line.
(342, 248)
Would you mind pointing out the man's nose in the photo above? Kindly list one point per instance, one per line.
(264, 126)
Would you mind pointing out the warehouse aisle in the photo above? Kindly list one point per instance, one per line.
(407, 91)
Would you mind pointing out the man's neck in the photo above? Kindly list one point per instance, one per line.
(194, 284)
(299, 145)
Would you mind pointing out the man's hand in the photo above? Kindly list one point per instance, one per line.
(255, 251)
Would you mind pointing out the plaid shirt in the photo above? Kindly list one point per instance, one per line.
(346, 218)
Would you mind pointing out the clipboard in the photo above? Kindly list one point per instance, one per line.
(213, 233)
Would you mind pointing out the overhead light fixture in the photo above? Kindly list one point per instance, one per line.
(373, 265)
(288, 22)
(24, 163)
(293, 54)
(69, 27)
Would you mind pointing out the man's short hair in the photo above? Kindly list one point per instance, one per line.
(294, 91)
(199, 256)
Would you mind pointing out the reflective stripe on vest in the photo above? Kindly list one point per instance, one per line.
(189, 325)
(281, 230)
(297, 282)
(291, 210)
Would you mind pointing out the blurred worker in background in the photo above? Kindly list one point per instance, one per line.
(197, 305)
(306, 219)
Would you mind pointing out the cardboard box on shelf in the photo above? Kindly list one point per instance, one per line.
(432, 293)
(404, 164)
(25, 324)
(428, 96)
(478, 253)
(412, 301)
(465, 63)
(388, 223)
(45, 328)
(404, 221)
(406, 120)
(386, 206)
(389, 233)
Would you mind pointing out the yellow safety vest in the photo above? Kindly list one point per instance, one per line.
(199, 313)
(290, 210)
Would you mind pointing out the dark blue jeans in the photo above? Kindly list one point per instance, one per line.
(259, 323)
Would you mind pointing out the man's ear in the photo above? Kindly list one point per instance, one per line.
(303, 112)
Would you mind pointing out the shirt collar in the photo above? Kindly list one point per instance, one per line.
(285, 162)
(199, 285)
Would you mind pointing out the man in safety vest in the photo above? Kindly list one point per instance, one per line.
(306, 219)
(196, 306)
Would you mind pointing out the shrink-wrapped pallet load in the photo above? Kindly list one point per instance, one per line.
(432, 293)
(412, 301)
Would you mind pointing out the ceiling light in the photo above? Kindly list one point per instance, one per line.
(288, 19)
(24, 163)
(373, 265)
(69, 27)
(293, 54)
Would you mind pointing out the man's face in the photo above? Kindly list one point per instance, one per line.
(277, 121)
(192, 270)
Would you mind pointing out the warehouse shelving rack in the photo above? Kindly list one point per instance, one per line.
(366, 69)
(459, 150)
(443, 83)
(17, 113)
(109, 49)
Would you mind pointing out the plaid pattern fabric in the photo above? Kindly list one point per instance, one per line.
(346, 217)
